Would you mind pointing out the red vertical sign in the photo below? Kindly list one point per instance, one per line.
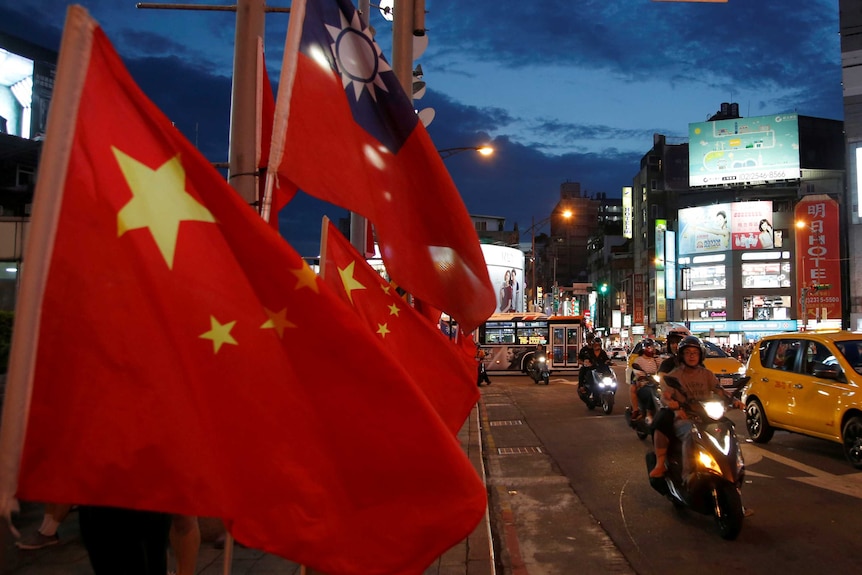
(818, 257)
(639, 300)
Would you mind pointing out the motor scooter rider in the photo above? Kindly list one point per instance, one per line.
(595, 357)
(674, 336)
(696, 383)
(583, 356)
(647, 364)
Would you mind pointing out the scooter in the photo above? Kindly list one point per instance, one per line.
(539, 370)
(717, 468)
(601, 388)
(649, 393)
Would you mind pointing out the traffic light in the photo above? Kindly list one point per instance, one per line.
(603, 289)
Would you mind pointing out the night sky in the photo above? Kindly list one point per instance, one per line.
(565, 90)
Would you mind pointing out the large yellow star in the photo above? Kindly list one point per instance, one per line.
(219, 334)
(348, 281)
(277, 321)
(306, 276)
(159, 202)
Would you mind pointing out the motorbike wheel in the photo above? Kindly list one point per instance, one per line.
(641, 434)
(758, 427)
(729, 512)
(607, 404)
(546, 378)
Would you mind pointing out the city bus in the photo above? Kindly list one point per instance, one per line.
(509, 340)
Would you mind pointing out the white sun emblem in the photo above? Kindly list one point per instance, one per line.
(358, 57)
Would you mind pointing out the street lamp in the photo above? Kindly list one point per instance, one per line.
(483, 150)
(532, 229)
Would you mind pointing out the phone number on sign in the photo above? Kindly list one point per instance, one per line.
(823, 299)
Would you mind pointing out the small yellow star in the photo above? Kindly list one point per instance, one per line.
(385, 289)
(307, 277)
(394, 309)
(159, 202)
(348, 281)
(219, 334)
(277, 321)
(382, 329)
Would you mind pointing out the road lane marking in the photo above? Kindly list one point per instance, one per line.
(850, 484)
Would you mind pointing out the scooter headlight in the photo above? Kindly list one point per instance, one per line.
(542, 359)
(708, 462)
(714, 409)
(607, 382)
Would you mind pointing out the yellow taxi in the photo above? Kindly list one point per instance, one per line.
(808, 383)
(729, 370)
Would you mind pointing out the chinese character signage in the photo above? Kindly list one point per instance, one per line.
(818, 258)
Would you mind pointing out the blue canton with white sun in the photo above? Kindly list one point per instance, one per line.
(377, 100)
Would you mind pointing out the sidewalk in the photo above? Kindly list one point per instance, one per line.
(473, 556)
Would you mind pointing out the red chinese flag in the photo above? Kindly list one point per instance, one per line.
(346, 132)
(179, 356)
(466, 344)
(425, 352)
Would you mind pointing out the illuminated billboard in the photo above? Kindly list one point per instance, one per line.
(743, 151)
(722, 227)
(26, 83)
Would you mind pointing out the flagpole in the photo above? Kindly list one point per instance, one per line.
(402, 44)
(358, 223)
(75, 48)
(242, 147)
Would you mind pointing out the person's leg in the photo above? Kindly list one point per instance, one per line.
(661, 442)
(185, 536)
(124, 540)
(46, 534)
(633, 397)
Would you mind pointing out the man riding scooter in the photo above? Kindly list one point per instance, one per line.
(695, 383)
(593, 358)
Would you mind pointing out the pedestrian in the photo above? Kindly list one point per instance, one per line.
(46, 534)
(125, 541)
(483, 375)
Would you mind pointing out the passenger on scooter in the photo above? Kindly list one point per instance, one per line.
(648, 364)
(673, 338)
(696, 383)
(595, 357)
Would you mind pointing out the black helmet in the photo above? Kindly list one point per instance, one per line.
(690, 341)
(648, 341)
(676, 334)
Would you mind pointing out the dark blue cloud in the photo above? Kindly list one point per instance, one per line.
(785, 53)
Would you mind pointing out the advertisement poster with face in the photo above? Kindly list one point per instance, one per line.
(751, 226)
(704, 229)
(506, 269)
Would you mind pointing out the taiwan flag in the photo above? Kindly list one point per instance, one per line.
(346, 132)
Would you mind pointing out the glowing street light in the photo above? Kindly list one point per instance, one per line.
(532, 229)
(482, 150)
